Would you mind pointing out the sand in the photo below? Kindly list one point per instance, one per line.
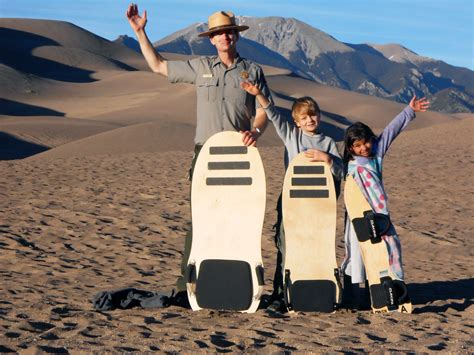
(105, 205)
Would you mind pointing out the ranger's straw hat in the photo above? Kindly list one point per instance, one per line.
(222, 20)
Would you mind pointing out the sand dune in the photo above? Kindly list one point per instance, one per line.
(40, 33)
(124, 98)
(145, 137)
(101, 202)
(463, 115)
(53, 131)
(93, 79)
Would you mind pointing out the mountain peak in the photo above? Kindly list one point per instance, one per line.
(287, 35)
(400, 54)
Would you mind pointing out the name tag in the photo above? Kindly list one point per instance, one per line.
(207, 75)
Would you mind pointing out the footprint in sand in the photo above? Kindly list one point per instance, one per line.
(36, 327)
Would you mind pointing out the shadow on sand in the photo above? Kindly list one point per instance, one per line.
(12, 147)
(458, 293)
(20, 56)
(15, 108)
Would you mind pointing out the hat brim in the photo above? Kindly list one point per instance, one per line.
(221, 28)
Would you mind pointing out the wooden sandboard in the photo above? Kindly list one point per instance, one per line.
(386, 293)
(311, 277)
(228, 195)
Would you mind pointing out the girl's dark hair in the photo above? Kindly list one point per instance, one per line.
(356, 131)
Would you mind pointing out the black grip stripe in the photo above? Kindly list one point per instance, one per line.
(229, 181)
(229, 165)
(308, 181)
(228, 150)
(309, 193)
(308, 169)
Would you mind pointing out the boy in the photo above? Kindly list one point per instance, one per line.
(300, 136)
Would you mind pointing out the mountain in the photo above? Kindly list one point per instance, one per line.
(129, 42)
(187, 42)
(388, 71)
(399, 54)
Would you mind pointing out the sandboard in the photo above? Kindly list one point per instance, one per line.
(228, 195)
(311, 277)
(386, 292)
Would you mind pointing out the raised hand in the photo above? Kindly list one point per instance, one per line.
(136, 21)
(420, 105)
(250, 88)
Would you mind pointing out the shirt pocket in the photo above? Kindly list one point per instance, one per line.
(207, 89)
(234, 92)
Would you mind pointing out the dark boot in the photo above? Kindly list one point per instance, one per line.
(348, 293)
(180, 299)
(363, 298)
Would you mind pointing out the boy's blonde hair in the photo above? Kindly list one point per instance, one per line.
(305, 106)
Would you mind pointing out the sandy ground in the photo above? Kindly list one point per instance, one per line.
(73, 227)
(93, 197)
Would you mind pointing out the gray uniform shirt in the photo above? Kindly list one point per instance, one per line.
(296, 141)
(221, 104)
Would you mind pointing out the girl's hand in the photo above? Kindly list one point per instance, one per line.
(420, 105)
(250, 88)
(317, 155)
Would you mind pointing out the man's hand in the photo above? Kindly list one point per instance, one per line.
(137, 22)
(420, 105)
(249, 138)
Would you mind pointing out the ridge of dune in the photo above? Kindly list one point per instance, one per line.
(65, 34)
(463, 116)
(79, 58)
(58, 51)
(52, 131)
(139, 138)
(15, 82)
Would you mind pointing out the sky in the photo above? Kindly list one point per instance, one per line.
(440, 29)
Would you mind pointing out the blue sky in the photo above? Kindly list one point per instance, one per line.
(441, 29)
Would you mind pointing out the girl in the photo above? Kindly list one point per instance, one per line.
(363, 156)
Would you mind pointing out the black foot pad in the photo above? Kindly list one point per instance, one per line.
(389, 293)
(224, 285)
(313, 296)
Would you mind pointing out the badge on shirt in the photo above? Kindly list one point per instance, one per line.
(244, 75)
(207, 75)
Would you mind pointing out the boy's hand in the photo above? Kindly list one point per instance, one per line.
(249, 138)
(317, 155)
(136, 22)
(250, 88)
(420, 105)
